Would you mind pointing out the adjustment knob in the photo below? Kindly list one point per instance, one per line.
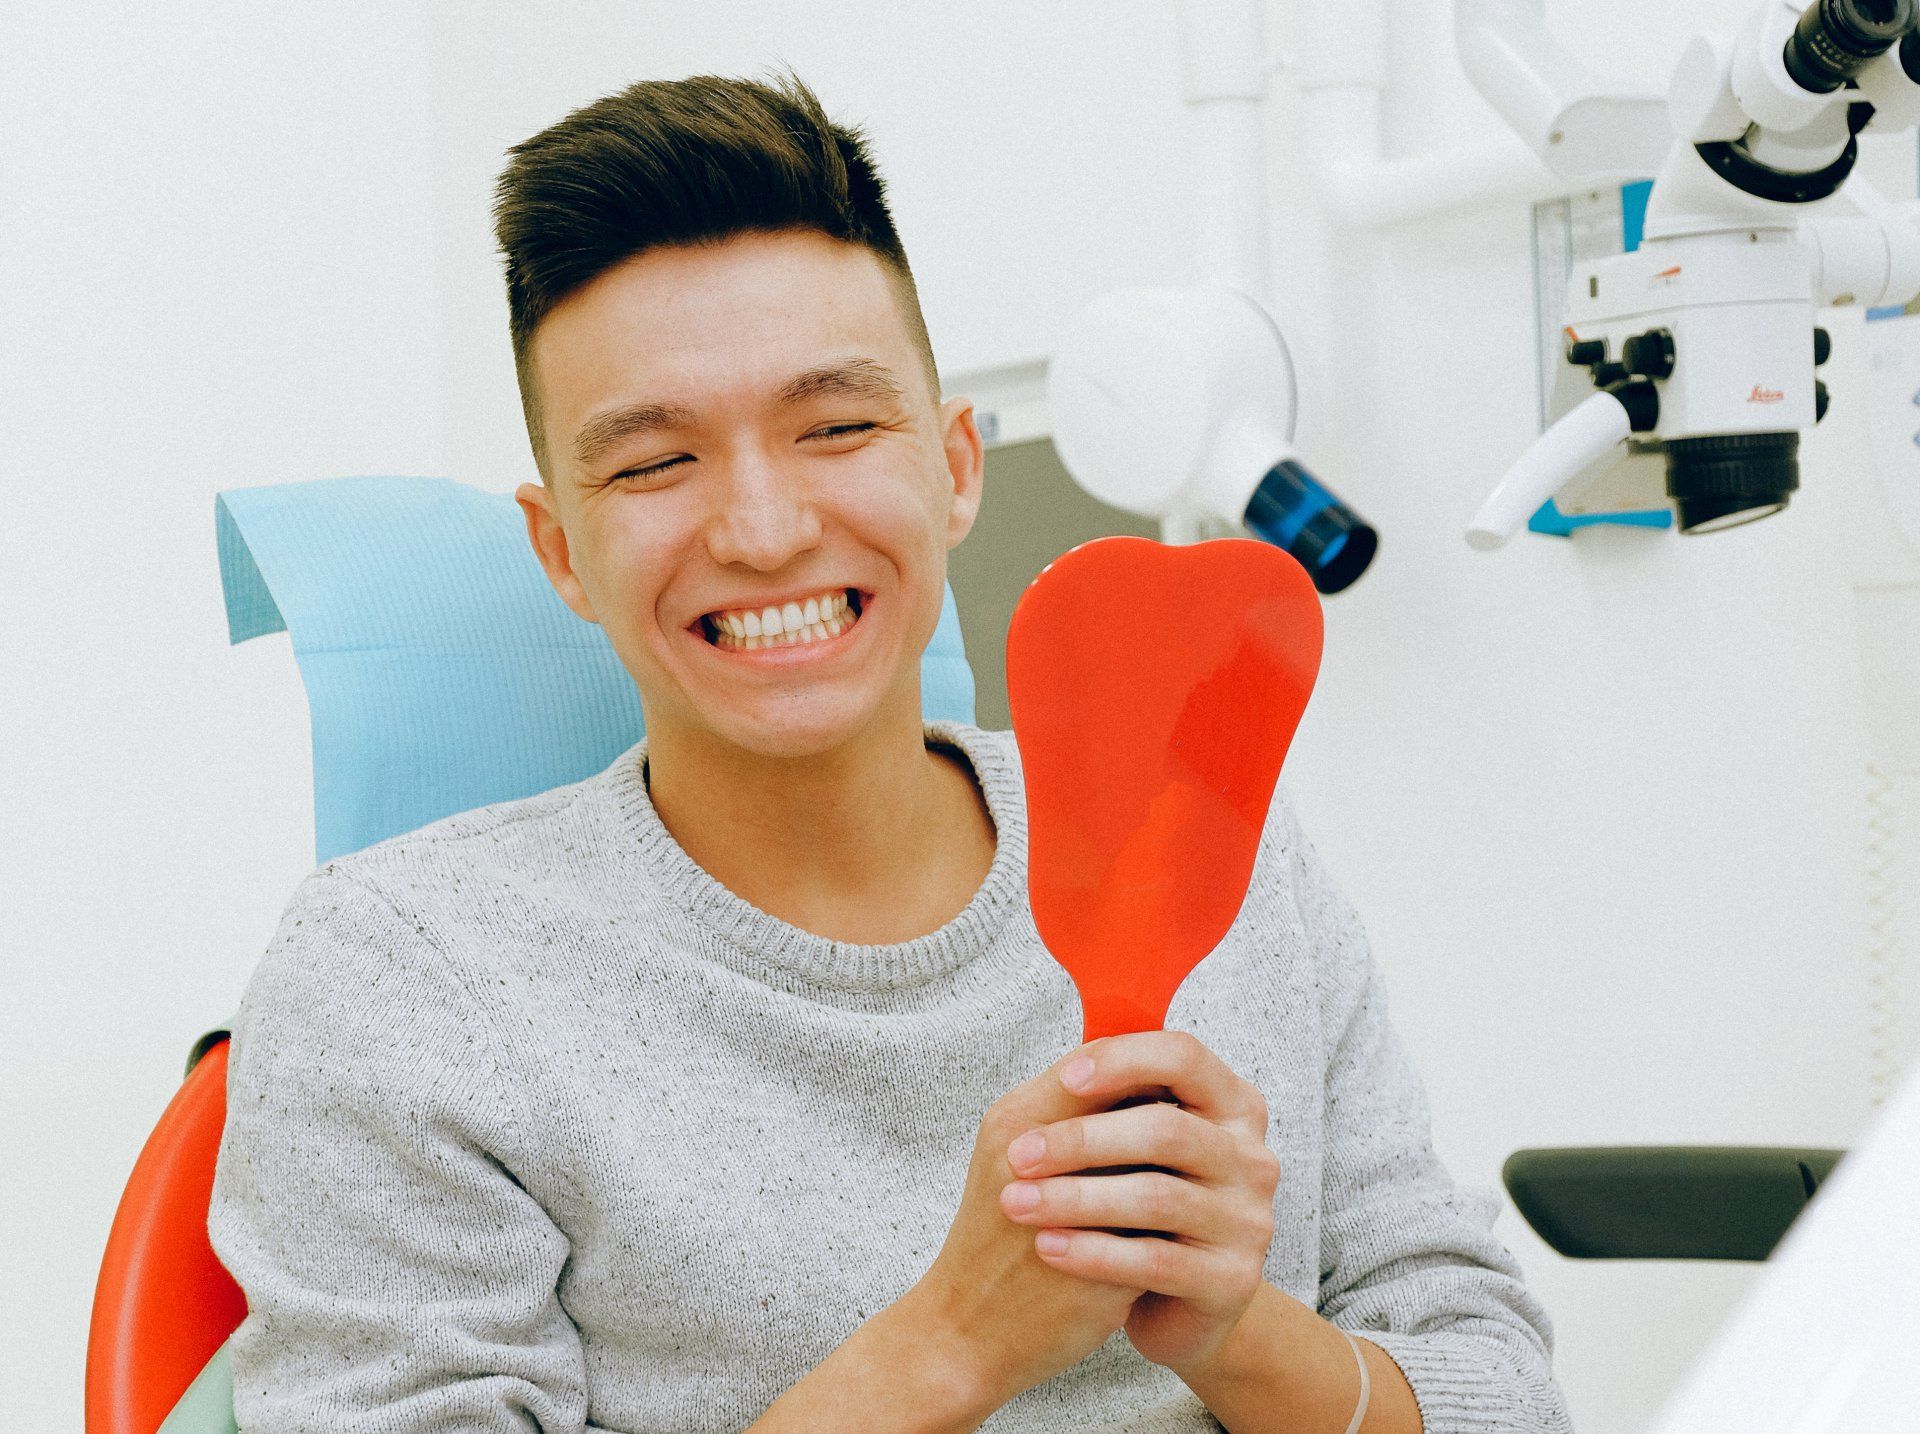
(1822, 346)
(1649, 354)
(1819, 400)
(1641, 401)
(1606, 375)
(1587, 352)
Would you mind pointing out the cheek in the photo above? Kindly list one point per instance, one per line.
(890, 509)
(632, 556)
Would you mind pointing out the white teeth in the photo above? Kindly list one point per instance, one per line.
(791, 616)
(816, 620)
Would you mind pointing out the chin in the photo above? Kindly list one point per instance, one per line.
(825, 727)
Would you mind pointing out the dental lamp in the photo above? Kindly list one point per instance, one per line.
(1179, 404)
(1694, 356)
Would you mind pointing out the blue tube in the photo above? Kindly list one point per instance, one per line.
(1293, 512)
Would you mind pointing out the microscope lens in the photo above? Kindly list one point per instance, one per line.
(1723, 480)
(1291, 510)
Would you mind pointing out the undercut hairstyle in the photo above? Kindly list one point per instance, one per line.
(678, 162)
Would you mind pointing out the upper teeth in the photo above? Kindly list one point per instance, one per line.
(823, 615)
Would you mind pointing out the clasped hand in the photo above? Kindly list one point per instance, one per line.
(1211, 1197)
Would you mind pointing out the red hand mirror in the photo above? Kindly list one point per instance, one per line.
(1154, 693)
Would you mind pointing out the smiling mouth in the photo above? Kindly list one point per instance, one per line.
(791, 625)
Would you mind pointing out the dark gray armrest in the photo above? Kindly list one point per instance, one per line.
(1665, 1202)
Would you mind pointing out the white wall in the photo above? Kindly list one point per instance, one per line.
(1600, 802)
(218, 272)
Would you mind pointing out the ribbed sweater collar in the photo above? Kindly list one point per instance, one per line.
(767, 941)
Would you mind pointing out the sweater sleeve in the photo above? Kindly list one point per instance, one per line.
(1407, 1258)
(368, 1197)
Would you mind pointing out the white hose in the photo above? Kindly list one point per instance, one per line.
(1582, 435)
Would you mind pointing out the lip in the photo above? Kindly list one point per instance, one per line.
(788, 654)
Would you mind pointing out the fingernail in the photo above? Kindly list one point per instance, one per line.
(1027, 1149)
(1022, 1198)
(1078, 1074)
(1050, 1242)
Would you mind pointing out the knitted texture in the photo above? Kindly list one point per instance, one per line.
(532, 1124)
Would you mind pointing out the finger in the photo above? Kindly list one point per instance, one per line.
(1146, 1201)
(1046, 1097)
(1164, 1135)
(1210, 1277)
(1178, 1061)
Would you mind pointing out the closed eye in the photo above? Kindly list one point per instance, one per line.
(836, 430)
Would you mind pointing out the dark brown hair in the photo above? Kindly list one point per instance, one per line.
(687, 161)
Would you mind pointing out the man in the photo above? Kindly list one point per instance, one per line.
(731, 1087)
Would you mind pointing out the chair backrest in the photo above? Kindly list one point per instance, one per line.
(443, 673)
(164, 1305)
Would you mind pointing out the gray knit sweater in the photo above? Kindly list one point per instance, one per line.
(532, 1124)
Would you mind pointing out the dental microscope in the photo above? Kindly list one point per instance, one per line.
(1691, 363)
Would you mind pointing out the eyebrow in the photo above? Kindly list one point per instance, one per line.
(853, 378)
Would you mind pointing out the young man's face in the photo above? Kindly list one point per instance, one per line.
(744, 426)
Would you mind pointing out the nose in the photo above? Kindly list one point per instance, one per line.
(763, 515)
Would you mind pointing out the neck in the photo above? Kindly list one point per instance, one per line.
(877, 841)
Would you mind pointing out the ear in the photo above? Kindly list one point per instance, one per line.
(966, 465)
(549, 541)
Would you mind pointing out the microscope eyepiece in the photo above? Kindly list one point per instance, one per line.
(1835, 39)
